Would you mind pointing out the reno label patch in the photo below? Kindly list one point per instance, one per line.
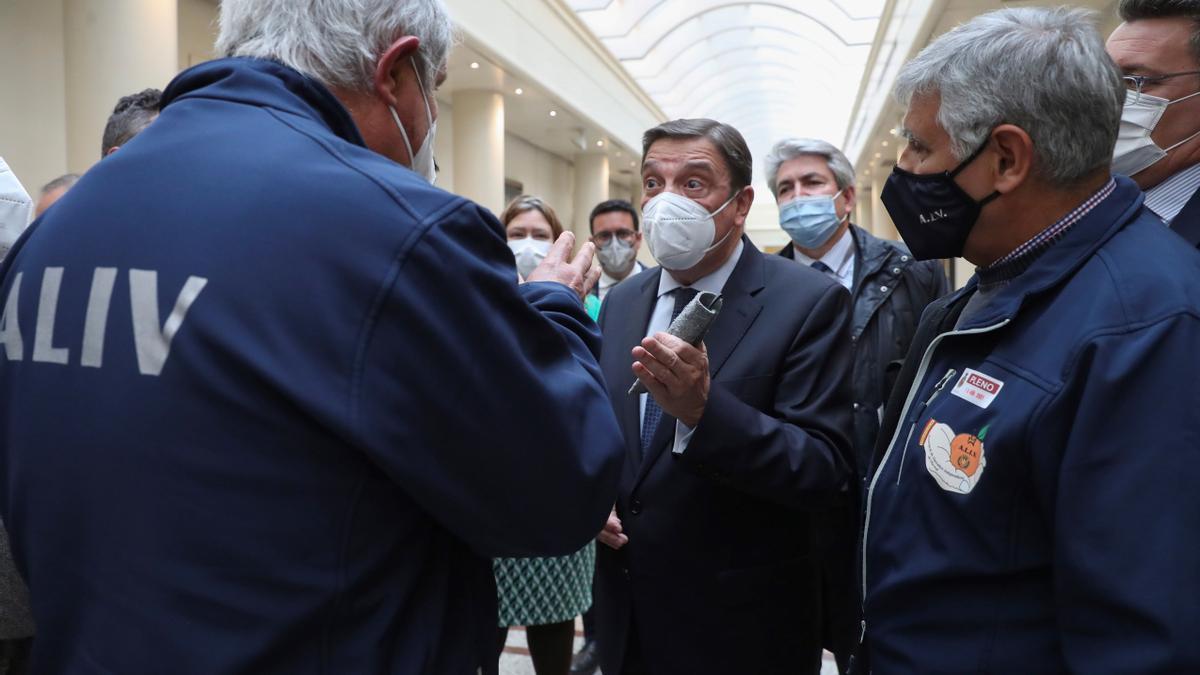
(977, 388)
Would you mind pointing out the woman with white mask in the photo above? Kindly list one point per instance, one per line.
(532, 227)
(542, 594)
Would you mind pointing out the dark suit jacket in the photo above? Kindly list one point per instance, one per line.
(1187, 222)
(719, 575)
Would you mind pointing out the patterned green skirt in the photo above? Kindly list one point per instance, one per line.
(536, 591)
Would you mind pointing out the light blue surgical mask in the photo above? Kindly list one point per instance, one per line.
(810, 220)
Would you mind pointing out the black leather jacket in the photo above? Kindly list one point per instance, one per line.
(891, 289)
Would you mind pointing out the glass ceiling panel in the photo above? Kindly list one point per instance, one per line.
(772, 69)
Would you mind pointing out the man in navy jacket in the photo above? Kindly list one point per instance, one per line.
(1034, 509)
(257, 377)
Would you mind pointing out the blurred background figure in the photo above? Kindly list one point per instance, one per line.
(1157, 49)
(16, 208)
(814, 187)
(130, 117)
(16, 620)
(531, 227)
(614, 226)
(53, 191)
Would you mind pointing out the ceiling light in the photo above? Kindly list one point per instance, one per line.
(554, 113)
(474, 65)
(885, 144)
(519, 91)
(633, 164)
(877, 155)
(599, 144)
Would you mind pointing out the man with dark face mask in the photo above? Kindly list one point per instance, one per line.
(1157, 49)
(253, 395)
(615, 233)
(1030, 508)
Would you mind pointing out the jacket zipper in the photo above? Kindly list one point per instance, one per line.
(917, 380)
(936, 390)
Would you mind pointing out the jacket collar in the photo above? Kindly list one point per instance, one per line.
(268, 84)
(1063, 259)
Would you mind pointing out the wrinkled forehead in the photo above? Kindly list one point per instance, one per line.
(670, 156)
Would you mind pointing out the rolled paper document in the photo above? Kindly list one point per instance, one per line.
(691, 325)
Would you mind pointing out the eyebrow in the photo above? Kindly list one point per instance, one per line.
(908, 135)
(693, 165)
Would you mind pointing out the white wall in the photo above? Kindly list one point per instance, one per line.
(443, 145)
(197, 31)
(33, 116)
(543, 174)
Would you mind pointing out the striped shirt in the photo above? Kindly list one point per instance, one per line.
(1022, 257)
(1169, 197)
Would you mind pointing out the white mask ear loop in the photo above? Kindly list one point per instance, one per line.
(845, 217)
(713, 215)
(412, 157)
(1181, 100)
(403, 136)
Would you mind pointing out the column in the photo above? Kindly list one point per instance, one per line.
(862, 208)
(881, 222)
(479, 147)
(591, 188)
(113, 48)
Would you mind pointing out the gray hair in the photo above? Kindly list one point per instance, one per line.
(336, 42)
(1135, 10)
(67, 180)
(1042, 69)
(791, 148)
(729, 142)
(130, 117)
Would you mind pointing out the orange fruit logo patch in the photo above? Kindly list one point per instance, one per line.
(956, 461)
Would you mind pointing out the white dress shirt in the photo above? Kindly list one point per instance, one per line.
(660, 319)
(606, 282)
(840, 259)
(1169, 197)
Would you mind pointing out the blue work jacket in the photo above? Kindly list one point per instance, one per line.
(1036, 509)
(270, 402)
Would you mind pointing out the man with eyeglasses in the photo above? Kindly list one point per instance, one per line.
(1158, 51)
(615, 233)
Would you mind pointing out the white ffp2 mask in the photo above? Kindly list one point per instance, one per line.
(529, 253)
(680, 231)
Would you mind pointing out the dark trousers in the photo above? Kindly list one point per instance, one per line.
(589, 624)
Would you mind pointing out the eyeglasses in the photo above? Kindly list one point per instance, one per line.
(1136, 83)
(602, 238)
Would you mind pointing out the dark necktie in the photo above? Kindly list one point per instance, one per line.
(653, 414)
(822, 267)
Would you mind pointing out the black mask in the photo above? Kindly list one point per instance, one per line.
(932, 213)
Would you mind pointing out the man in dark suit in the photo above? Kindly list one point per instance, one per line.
(1158, 51)
(707, 563)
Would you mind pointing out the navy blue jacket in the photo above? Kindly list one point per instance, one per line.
(276, 401)
(1037, 507)
(721, 572)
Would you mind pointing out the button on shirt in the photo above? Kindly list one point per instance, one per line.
(839, 259)
(1169, 197)
(660, 319)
